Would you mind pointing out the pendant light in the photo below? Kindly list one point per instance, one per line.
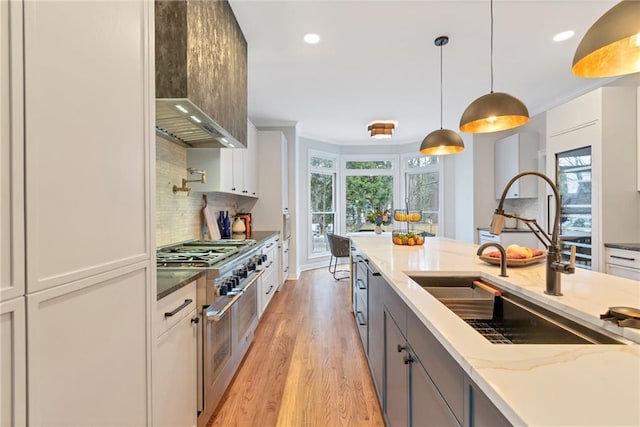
(494, 111)
(611, 47)
(441, 141)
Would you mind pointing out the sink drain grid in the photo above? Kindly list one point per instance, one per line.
(488, 332)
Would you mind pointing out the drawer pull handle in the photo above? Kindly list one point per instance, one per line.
(622, 257)
(361, 284)
(407, 360)
(177, 309)
(401, 348)
(195, 320)
(269, 291)
(360, 318)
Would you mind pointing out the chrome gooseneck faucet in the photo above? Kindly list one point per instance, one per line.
(555, 266)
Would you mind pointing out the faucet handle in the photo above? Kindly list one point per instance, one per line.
(572, 259)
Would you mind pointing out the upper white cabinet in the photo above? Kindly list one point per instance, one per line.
(515, 154)
(638, 139)
(272, 179)
(87, 128)
(11, 153)
(229, 170)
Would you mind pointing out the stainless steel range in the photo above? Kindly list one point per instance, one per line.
(228, 305)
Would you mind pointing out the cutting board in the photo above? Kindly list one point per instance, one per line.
(212, 226)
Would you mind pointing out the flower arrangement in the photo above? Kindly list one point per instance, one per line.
(379, 217)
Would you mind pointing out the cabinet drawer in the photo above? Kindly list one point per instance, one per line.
(175, 303)
(626, 272)
(445, 372)
(623, 258)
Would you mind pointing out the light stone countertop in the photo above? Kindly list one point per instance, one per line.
(534, 384)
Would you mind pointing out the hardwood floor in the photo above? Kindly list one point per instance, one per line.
(306, 366)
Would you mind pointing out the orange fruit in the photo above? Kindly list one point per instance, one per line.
(411, 242)
(420, 241)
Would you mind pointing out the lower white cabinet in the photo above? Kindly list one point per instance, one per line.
(623, 263)
(13, 371)
(175, 369)
(88, 353)
(269, 280)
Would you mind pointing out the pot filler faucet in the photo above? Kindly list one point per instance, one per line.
(555, 266)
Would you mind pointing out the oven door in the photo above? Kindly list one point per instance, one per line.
(246, 312)
(218, 356)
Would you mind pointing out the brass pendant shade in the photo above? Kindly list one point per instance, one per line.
(611, 47)
(442, 141)
(494, 112)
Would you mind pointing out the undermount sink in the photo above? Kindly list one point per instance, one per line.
(504, 318)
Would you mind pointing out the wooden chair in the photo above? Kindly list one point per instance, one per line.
(340, 247)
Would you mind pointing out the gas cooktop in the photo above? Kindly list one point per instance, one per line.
(200, 253)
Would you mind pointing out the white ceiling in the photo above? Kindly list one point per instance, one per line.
(377, 61)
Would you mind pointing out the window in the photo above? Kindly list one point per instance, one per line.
(369, 190)
(422, 189)
(322, 186)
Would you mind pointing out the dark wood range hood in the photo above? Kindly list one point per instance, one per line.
(201, 74)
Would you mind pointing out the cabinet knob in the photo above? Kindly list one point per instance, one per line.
(195, 320)
(407, 360)
(401, 348)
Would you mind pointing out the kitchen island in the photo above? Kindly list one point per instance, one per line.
(530, 384)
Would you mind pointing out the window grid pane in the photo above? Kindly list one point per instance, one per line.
(367, 195)
(423, 193)
(376, 164)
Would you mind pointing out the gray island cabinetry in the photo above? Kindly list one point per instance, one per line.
(417, 380)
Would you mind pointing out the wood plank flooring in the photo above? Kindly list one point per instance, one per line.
(306, 366)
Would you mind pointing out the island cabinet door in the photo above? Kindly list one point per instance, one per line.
(427, 406)
(479, 411)
(376, 330)
(396, 375)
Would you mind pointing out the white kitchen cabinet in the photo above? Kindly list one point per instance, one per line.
(87, 350)
(84, 96)
(623, 263)
(218, 163)
(229, 170)
(267, 214)
(604, 119)
(270, 278)
(515, 154)
(87, 138)
(175, 368)
(13, 368)
(12, 280)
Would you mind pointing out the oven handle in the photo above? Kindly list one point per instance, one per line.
(216, 315)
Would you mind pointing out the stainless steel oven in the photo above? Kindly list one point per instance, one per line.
(227, 303)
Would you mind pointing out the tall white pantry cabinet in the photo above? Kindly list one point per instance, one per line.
(77, 251)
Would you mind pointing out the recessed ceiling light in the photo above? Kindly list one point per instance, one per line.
(312, 38)
(565, 35)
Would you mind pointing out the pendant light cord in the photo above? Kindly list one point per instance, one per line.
(440, 86)
(491, 46)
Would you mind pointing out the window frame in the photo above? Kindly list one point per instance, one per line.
(394, 172)
(439, 167)
(326, 171)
